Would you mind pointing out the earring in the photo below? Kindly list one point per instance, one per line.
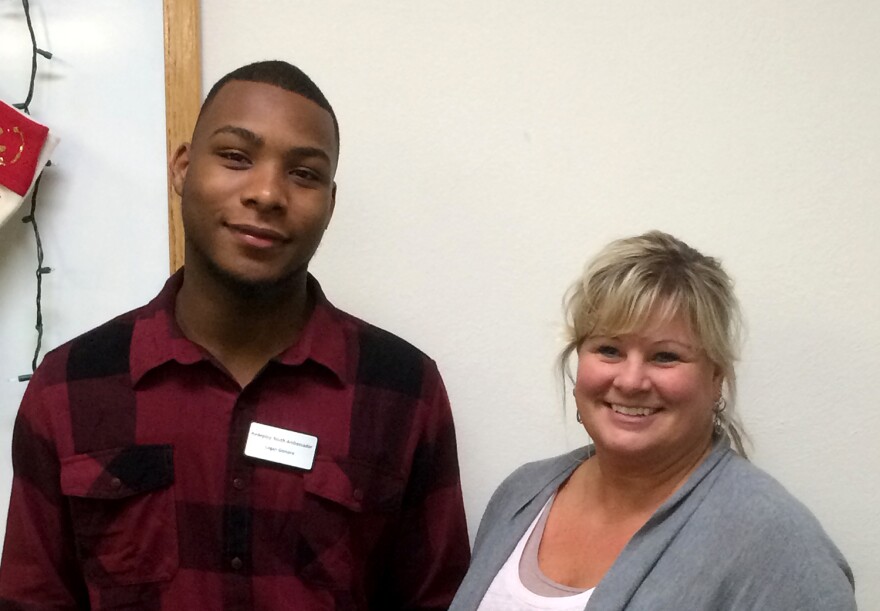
(717, 420)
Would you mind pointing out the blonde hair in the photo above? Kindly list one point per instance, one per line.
(635, 279)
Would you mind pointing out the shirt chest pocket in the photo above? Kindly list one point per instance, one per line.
(348, 507)
(123, 513)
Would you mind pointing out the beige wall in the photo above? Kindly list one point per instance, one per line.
(488, 148)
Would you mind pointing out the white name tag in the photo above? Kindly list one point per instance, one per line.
(281, 446)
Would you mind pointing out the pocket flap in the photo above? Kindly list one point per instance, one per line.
(356, 485)
(118, 472)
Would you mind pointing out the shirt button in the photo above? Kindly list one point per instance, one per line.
(358, 494)
(116, 483)
(238, 483)
(236, 563)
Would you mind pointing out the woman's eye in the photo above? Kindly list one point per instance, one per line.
(608, 351)
(666, 357)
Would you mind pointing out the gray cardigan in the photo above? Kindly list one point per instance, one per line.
(730, 538)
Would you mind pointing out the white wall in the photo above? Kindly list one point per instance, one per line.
(489, 148)
(102, 207)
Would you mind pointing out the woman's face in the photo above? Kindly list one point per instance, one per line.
(647, 395)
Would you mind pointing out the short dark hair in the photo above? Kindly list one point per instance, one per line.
(281, 74)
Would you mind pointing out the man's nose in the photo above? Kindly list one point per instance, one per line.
(266, 187)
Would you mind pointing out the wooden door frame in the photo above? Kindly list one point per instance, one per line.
(183, 97)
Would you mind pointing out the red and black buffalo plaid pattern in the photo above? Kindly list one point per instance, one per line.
(131, 489)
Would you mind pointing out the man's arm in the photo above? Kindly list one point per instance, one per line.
(431, 551)
(38, 569)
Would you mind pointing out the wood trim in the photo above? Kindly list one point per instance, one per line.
(183, 96)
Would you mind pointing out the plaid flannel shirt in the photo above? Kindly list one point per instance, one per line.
(131, 489)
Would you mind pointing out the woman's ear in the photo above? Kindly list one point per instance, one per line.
(718, 380)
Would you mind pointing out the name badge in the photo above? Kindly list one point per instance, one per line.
(280, 445)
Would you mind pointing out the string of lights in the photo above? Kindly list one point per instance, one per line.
(31, 217)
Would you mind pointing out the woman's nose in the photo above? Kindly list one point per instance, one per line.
(632, 375)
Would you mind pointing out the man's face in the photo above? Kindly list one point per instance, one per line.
(257, 185)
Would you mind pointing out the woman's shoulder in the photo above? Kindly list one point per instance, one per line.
(528, 487)
(558, 463)
(761, 518)
(767, 500)
(539, 473)
(533, 482)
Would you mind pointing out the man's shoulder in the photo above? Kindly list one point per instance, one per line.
(101, 351)
(384, 358)
(378, 336)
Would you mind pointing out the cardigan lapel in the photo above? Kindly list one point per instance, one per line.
(640, 555)
(511, 510)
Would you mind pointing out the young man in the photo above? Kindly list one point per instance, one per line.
(239, 443)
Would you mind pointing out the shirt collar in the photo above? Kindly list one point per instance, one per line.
(157, 338)
(323, 339)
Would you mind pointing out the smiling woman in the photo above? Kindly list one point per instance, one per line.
(652, 515)
(648, 395)
(662, 316)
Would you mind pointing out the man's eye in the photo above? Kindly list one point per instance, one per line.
(234, 156)
(305, 174)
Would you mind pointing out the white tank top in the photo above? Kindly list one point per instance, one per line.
(508, 593)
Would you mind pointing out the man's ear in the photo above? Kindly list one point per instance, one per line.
(332, 205)
(178, 166)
